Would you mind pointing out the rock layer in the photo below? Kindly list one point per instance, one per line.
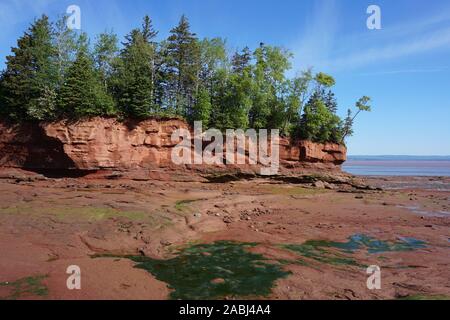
(106, 143)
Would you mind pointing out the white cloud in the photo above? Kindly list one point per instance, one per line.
(317, 40)
(13, 12)
(403, 71)
(322, 48)
(431, 41)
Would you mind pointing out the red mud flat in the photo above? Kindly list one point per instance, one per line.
(48, 224)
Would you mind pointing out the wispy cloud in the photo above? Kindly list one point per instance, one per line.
(322, 48)
(317, 40)
(11, 11)
(430, 41)
(404, 71)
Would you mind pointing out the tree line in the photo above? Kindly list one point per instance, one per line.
(56, 73)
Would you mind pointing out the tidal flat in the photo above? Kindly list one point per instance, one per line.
(249, 239)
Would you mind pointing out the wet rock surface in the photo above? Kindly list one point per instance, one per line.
(320, 239)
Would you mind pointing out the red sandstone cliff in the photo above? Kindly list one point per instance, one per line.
(101, 143)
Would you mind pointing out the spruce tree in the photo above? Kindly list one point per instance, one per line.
(29, 82)
(83, 94)
(241, 60)
(183, 67)
(330, 101)
(134, 79)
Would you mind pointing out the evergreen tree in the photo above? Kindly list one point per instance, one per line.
(183, 67)
(29, 82)
(135, 74)
(241, 61)
(83, 94)
(53, 67)
(318, 124)
(148, 32)
(330, 101)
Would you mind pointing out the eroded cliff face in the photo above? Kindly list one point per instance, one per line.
(101, 143)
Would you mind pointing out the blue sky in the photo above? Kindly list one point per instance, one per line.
(404, 67)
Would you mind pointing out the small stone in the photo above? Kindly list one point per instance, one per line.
(165, 243)
(227, 219)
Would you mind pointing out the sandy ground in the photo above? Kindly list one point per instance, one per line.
(47, 225)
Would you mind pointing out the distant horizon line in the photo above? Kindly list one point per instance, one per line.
(398, 155)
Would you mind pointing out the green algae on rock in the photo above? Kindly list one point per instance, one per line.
(322, 250)
(26, 287)
(214, 271)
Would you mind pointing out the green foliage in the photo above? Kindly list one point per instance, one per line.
(362, 105)
(325, 80)
(83, 94)
(318, 124)
(105, 52)
(135, 75)
(30, 74)
(65, 42)
(202, 108)
(269, 78)
(183, 68)
(53, 72)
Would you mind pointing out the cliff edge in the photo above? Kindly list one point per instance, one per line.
(109, 144)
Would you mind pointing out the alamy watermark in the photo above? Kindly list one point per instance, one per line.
(73, 282)
(240, 147)
(73, 21)
(374, 280)
(374, 20)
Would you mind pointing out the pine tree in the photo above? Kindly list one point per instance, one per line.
(83, 94)
(30, 77)
(148, 32)
(241, 61)
(330, 101)
(183, 67)
(134, 79)
(318, 124)
(52, 72)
